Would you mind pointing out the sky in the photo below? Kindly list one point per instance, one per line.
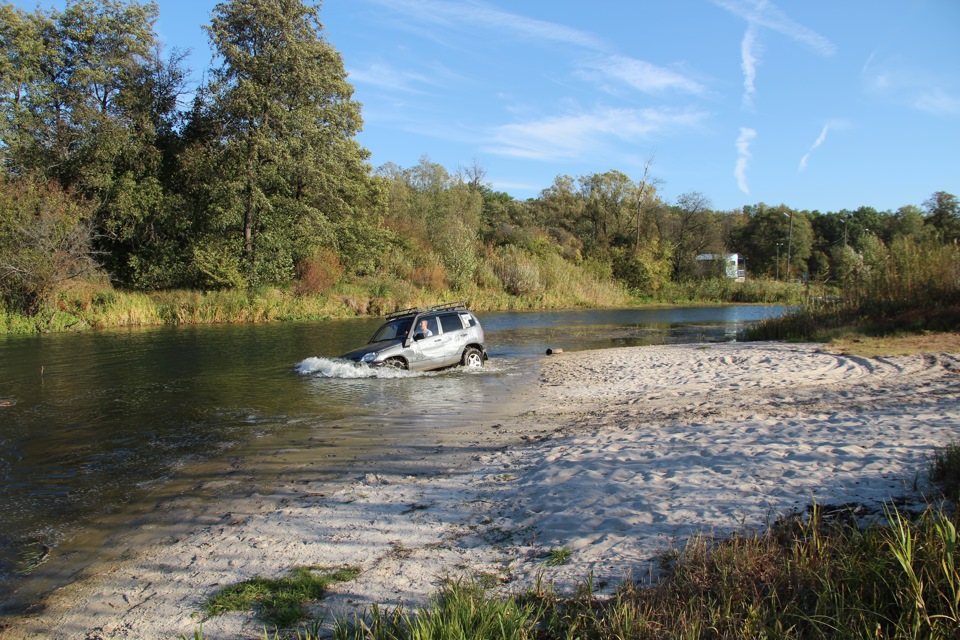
(820, 104)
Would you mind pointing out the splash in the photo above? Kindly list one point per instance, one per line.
(339, 368)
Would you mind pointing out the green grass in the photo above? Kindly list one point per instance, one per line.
(557, 557)
(277, 601)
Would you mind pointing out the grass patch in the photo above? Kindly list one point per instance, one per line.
(462, 610)
(278, 601)
(945, 471)
(557, 557)
(896, 345)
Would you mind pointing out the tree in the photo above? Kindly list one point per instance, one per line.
(67, 107)
(943, 213)
(778, 240)
(608, 198)
(692, 231)
(88, 101)
(644, 189)
(280, 125)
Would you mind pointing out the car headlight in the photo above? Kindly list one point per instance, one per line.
(369, 357)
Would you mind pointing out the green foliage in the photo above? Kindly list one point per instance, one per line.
(644, 272)
(278, 601)
(945, 470)
(908, 286)
(557, 557)
(44, 242)
(286, 170)
(462, 610)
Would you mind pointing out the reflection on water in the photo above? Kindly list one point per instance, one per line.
(93, 426)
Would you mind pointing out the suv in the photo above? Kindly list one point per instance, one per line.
(425, 338)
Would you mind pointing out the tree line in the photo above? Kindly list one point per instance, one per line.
(112, 167)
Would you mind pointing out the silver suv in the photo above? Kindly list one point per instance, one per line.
(425, 338)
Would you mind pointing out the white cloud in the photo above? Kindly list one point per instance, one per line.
(390, 78)
(938, 102)
(766, 14)
(901, 82)
(570, 136)
(744, 141)
(820, 139)
(480, 14)
(762, 13)
(749, 59)
(644, 76)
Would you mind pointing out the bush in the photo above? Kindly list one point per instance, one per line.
(519, 274)
(319, 273)
(45, 241)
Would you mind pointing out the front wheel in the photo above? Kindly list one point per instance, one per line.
(394, 363)
(472, 357)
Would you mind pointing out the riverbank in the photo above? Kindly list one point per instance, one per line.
(619, 455)
(84, 306)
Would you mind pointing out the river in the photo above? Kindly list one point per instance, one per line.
(96, 428)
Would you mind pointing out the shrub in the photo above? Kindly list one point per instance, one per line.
(319, 273)
(519, 274)
(45, 240)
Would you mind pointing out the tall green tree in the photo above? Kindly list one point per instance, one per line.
(88, 101)
(284, 172)
(67, 108)
(777, 240)
(943, 213)
(610, 203)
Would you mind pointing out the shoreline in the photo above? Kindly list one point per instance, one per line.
(618, 456)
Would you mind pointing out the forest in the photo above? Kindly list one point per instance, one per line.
(120, 182)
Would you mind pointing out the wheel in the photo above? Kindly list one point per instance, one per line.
(472, 357)
(394, 363)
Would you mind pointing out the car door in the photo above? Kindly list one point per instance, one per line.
(429, 345)
(454, 338)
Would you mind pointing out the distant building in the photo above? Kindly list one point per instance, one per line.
(734, 265)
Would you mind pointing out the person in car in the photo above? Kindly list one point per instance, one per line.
(423, 331)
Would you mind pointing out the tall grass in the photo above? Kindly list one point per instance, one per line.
(811, 575)
(760, 291)
(556, 284)
(906, 287)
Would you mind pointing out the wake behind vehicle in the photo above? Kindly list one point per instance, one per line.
(424, 339)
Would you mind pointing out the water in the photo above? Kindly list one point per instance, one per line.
(96, 428)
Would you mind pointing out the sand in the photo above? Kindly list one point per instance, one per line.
(619, 456)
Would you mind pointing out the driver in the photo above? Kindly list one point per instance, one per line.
(423, 330)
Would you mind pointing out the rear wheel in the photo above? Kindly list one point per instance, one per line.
(394, 363)
(472, 357)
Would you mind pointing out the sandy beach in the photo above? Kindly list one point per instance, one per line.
(617, 455)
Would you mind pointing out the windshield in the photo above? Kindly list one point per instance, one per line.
(393, 330)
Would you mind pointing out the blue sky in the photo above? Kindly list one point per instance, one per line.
(821, 104)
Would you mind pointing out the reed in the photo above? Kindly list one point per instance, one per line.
(904, 288)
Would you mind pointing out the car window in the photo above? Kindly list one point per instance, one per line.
(451, 322)
(393, 330)
(468, 320)
(425, 327)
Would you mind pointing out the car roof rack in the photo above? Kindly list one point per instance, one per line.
(446, 306)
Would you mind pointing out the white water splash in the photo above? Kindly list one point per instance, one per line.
(340, 368)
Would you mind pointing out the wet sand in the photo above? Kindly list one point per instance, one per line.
(616, 455)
